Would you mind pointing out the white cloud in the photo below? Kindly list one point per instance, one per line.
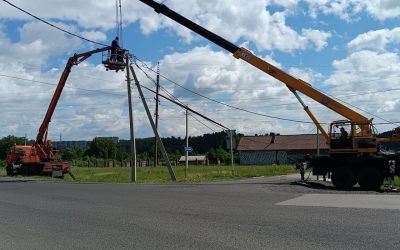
(376, 40)
(372, 75)
(37, 43)
(287, 3)
(251, 21)
(384, 9)
(218, 75)
(83, 115)
(348, 9)
(233, 20)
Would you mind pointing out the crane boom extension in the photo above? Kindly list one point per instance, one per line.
(73, 60)
(293, 83)
(41, 158)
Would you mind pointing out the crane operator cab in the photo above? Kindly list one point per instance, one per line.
(351, 137)
(113, 59)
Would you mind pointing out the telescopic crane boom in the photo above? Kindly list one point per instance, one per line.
(40, 158)
(355, 155)
(41, 138)
(361, 128)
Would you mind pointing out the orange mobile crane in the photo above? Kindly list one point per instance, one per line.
(41, 158)
(355, 158)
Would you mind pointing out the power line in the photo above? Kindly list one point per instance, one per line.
(180, 103)
(54, 26)
(222, 103)
(234, 107)
(191, 110)
(53, 84)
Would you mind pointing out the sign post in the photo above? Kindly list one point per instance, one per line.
(231, 144)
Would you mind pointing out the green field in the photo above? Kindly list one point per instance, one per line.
(161, 175)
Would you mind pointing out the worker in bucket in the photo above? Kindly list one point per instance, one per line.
(114, 48)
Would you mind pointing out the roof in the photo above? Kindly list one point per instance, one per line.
(282, 142)
(194, 158)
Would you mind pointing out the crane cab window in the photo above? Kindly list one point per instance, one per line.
(341, 136)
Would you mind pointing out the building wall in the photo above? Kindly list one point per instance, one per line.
(274, 157)
(262, 157)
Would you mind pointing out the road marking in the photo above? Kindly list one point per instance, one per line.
(345, 200)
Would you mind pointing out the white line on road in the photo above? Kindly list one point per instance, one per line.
(345, 200)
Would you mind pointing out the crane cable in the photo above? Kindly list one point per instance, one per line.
(118, 21)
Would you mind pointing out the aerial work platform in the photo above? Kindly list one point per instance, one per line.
(114, 60)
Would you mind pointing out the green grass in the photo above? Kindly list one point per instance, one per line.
(161, 174)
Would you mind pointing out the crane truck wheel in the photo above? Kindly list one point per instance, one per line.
(370, 178)
(343, 178)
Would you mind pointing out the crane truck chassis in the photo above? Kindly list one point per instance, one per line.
(357, 160)
(41, 158)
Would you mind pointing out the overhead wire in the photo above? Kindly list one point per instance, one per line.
(203, 96)
(222, 103)
(177, 101)
(52, 25)
(274, 117)
(54, 84)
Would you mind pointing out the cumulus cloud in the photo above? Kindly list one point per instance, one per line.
(252, 22)
(374, 76)
(220, 76)
(375, 40)
(103, 111)
(37, 42)
(383, 9)
(348, 9)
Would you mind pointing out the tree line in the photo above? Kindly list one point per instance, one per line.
(213, 145)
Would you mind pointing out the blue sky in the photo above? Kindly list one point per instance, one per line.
(348, 48)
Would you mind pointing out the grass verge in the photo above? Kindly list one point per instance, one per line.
(161, 175)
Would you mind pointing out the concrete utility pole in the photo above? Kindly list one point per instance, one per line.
(133, 144)
(163, 151)
(157, 101)
(317, 141)
(231, 133)
(187, 145)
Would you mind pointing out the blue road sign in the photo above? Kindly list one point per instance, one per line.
(188, 149)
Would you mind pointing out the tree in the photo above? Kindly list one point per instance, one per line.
(222, 154)
(69, 154)
(212, 155)
(7, 142)
(103, 148)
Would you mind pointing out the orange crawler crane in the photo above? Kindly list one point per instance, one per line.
(41, 158)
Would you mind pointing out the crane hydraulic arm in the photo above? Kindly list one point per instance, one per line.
(43, 151)
(293, 83)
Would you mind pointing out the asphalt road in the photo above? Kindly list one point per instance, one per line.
(260, 213)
